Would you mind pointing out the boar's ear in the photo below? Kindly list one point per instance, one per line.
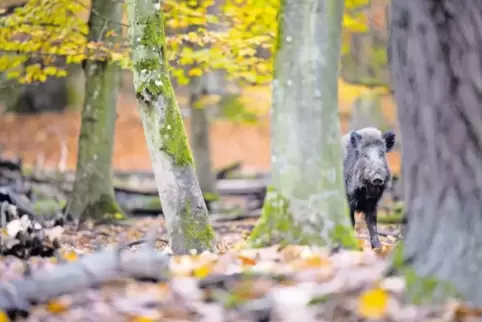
(355, 139)
(389, 137)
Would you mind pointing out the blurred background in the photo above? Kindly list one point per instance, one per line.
(40, 120)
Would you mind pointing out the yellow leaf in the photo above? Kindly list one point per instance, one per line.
(4, 317)
(195, 72)
(246, 260)
(118, 215)
(56, 307)
(203, 270)
(70, 256)
(373, 303)
(141, 319)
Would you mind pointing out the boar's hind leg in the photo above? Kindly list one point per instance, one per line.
(371, 220)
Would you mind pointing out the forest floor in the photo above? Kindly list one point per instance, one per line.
(290, 283)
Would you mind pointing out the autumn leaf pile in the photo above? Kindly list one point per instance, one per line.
(291, 283)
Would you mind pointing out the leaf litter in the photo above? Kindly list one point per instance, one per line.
(289, 283)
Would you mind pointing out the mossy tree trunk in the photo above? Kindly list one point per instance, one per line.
(93, 194)
(306, 202)
(435, 55)
(181, 198)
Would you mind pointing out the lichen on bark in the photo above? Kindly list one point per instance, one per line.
(181, 198)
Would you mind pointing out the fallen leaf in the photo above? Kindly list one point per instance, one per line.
(203, 270)
(4, 317)
(57, 306)
(70, 256)
(247, 261)
(372, 304)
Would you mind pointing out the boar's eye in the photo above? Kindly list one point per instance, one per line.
(365, 155)
(381, 154)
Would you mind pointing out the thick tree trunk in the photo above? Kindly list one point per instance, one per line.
(306, 202)
(200, 140)
(181, 198)
(436, 54)
(93, 194)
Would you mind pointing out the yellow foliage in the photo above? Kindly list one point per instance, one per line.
(373, 303)
(48, 29)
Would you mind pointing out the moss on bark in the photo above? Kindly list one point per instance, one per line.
(182, 201)
(93, 193)
(278, 225)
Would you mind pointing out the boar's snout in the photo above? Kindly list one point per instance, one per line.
(377, 181)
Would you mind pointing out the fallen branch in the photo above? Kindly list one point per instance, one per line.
(88, 271)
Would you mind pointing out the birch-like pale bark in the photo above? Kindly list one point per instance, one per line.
(92, 196)
(182, 202)
(306, 202)
(435, 57)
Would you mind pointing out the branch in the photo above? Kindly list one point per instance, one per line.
(89, 271)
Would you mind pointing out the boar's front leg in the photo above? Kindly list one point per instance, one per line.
(352, 216)
(371, 221)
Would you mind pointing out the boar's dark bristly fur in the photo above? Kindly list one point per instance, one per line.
(366, 173)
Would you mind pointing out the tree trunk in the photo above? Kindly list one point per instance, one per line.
(365, 62)
(306, 202)
(367, 111)
(435, 56)
(93, 194)
(200, 139)
(181, 198)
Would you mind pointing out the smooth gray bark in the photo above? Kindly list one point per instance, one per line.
(200, 139)
(93, 194)
(436, 55)
(306, 203)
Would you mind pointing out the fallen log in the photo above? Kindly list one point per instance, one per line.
(89, 271)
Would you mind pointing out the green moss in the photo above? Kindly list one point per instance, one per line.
(209, 196)
(345, 236)
(104, 208)
(197, 231)
(154, 203)
(280, 33)
(175, 138)
(147, 64)
(153, 33)
(420, 289)
(277, 225)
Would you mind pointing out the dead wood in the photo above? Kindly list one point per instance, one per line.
(89, 271)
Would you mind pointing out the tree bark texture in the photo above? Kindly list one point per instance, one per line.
(306, 202)
(436, 61)
(200, 139)
(93, 193)
(181, 198)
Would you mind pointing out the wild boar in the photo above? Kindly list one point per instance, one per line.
(366, 173)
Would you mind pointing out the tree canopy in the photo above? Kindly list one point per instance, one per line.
(56, 31)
